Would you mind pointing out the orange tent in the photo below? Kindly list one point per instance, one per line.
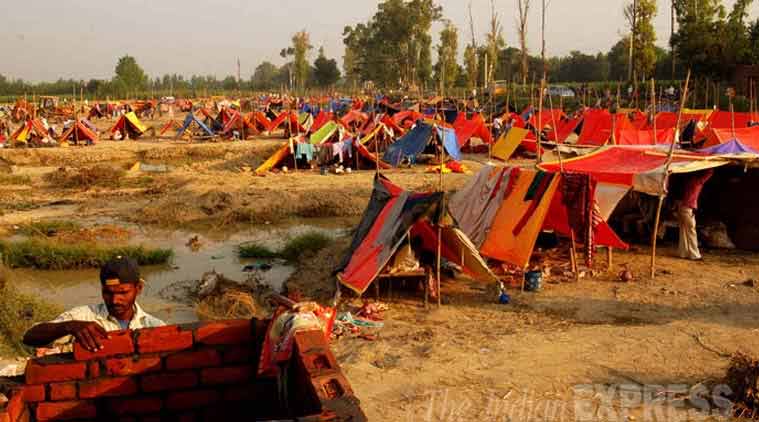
(79, 132)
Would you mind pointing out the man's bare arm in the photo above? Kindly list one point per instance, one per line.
(88, 333)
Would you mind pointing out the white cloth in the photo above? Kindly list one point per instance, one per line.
(688, 245)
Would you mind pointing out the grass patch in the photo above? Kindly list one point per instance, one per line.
(18, 313)
(51, 255)
(47, 228)
(294, 248)
(254, 250)
(14, 179)
(307, 243)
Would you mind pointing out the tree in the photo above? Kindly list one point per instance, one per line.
(524, 8)
(697, 40)
(300, 48)
(640, 15)
(326, 72)
(470, 64)
(447, 51)
(394, 47)
(265, 76)
(129, 75)
(494, 42)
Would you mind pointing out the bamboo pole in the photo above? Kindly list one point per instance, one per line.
(440, 226)
(667, 166)
(540, 120)
(653, 109)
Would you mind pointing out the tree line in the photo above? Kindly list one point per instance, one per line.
(394, 49)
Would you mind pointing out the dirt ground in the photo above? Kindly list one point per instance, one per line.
(471, 359)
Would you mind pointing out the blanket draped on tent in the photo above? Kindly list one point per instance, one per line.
(410, 145)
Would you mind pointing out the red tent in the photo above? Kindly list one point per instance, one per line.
(82, 134)
(467, 129)
(646, 136)
(747, 135)
(724, 119)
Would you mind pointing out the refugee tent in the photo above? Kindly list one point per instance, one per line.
(282, 120)
(502, 210)
(409, 146)
(241, 124)
(354, 116)
(393, 214)
(732, 147)
(547, 118)
(646, 137)
(325, 132)
(474, 127)
(80, 132)
(509, 142)
(597, 124)
(188, 121)
(171, 124)
(129, 125)
(727, 120)
(29, 130)
(260, 120)
(747, 135)
(287, 149)
(320, 120)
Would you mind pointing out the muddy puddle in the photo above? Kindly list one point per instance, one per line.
(165, 293)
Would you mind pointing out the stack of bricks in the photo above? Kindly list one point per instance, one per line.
(200, 372)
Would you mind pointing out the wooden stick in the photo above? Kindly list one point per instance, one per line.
(440, 225)
(666, 177)
(653, 109)
(539, 123)
(609, 259)
(573, 255)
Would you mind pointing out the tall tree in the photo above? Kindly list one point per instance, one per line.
(129, 74)
(470, 65)
(494, 42)
(640, 15)
(300, 48)
(524, 9)
(697, 41)
(447, 51)
(326, 72)
(265, 76)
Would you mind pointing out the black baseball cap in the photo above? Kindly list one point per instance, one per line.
(120, 270)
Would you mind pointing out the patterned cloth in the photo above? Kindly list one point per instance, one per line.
(578, 195)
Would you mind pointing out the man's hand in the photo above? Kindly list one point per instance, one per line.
(88, 334)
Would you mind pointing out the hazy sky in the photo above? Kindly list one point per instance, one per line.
(48, 39)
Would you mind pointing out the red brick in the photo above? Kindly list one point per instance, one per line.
(135, 405)
(225, 332)
(40, 371)
(107, 387)
(34, 393)
(311, 341)
(169, 381)
(163, 339)
(93, 369)
(227, 375)
(191, 399)
(63, 391)
(15, 405)
(317, 363)
(66, 410)
(237, 354)
(117, 343)
(132, 366)
(202, 358)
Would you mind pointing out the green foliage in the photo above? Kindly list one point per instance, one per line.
(265, 76)
(52, 255)
(306, 243)
(326, 72)
(640, 15)
(394, 46)
(129, 75)
(255, 250)
(300, 48)
(471, 66)
(18, 313)
(447, 56)
(294, 248)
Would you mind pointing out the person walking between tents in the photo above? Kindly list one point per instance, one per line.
(687, 204)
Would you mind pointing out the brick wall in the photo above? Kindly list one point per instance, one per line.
(201, 372)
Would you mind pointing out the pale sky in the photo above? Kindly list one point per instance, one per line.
(82, 39)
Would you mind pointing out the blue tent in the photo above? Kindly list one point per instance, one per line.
(408, 146)
(450, 141)
(188, 121)
(730, 147)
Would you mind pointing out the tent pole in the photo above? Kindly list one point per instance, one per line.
(440, 226)
(662, 195)
(653, 109)
(539, 122)
(556, 134)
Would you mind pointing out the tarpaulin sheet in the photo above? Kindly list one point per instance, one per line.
(548, 117)
(188, 121)
(503, 242)
(730, 147)
(475, 127)
(448, 136)
(646, 137)
(386, 221)
(410, 145)
(749, 136)
(282, 153)
(325, 133)
(83, 133)
(724, 119)
(132, 118)
(508, 143)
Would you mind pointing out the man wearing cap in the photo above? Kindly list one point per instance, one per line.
(89, 325)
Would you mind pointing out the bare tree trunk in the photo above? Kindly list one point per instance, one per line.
(524, 8)
(671, 33)
(543, 40)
